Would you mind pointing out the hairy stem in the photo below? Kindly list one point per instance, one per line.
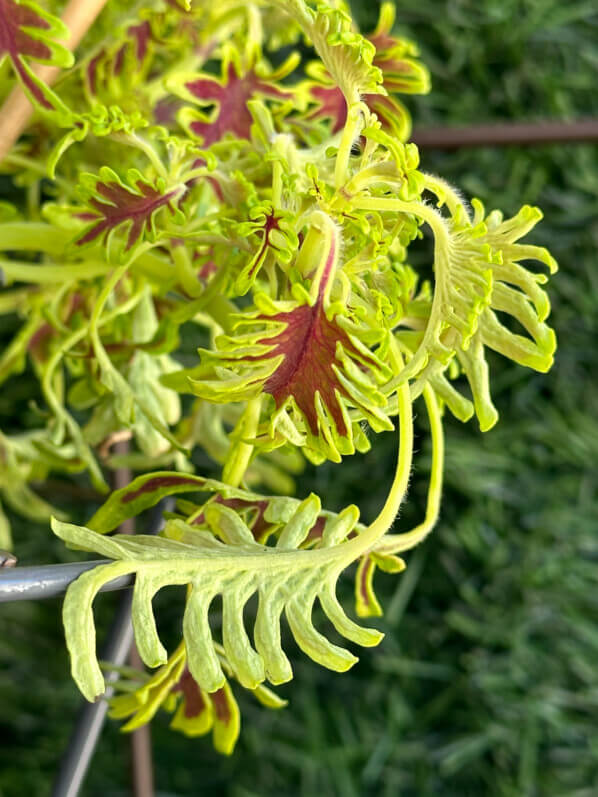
(442, 254)
(403, 470)
(393, 543)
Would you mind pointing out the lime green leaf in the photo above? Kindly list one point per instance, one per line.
(5, 532)
(224, 559)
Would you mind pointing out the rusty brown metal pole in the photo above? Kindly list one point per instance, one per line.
(506, 134)
(142, 768)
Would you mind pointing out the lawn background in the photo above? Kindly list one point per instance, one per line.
(487, 682)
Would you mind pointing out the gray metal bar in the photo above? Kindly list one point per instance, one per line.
(89, 724)
(48, 581)
(83, 741)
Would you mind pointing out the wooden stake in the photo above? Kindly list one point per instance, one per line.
(78, 16)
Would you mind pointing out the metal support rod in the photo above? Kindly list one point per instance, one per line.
(89, 724)
(48, 581)
(507, 134)
(142, 765)
(142, 761)
(84, 738)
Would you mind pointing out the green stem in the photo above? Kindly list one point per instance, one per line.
(21, 271)
(186, 273)
(133, 140)
(59, 411)
(378, 173)
(400, 483)
(444, 192)
(442, 255)
(22, 235)
(240, 453)
(276, 184)
(13, 159)
(425, 212)
(348, 136)
(402, 542)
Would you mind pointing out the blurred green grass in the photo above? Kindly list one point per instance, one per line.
(486, 683)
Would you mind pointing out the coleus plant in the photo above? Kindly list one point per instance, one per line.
(240, 171)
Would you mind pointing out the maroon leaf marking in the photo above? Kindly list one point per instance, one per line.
(140, 36)
(138, 40)
(165, 111)
(119, 59)
(157, 483)
(206, 271)
(221, 706)
(386, 109)
(231, 96)
(382, 40)
(308, 343)
(17, 42)
(364, 588)
(271, 223)
(331, 105)
(397, 73)
(92, 71)
(194, 703)
(38, 343)
(122, 205)
(142, 493)
(197, 164)
(259, 525)
(316, 531)
(365, 579)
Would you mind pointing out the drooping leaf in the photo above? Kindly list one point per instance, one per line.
(284, 577)
(196, 712)
(199, 712)
(478, 273)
